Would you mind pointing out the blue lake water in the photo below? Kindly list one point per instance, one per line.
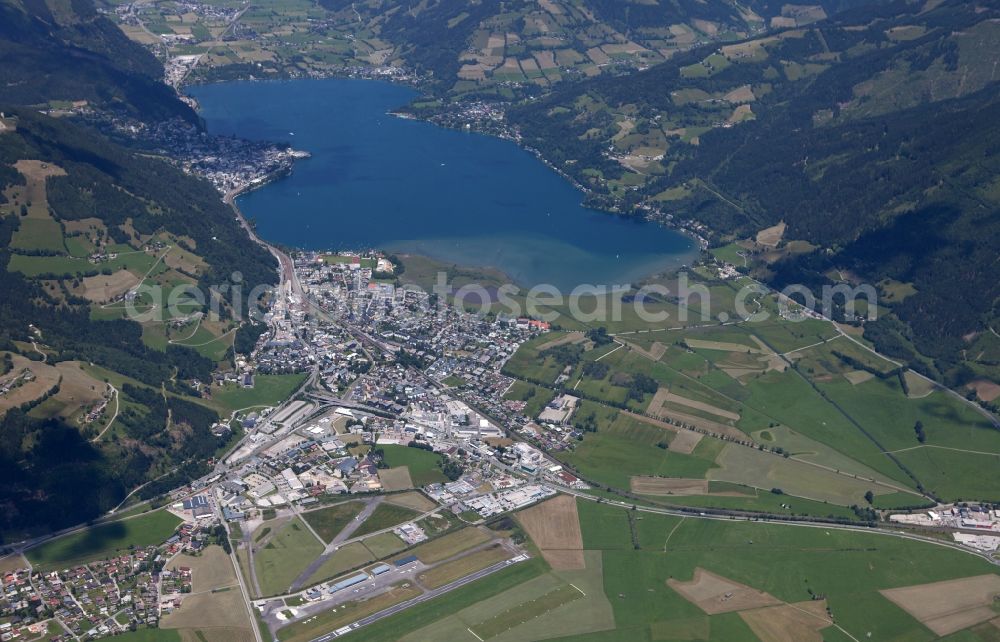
(377, 181)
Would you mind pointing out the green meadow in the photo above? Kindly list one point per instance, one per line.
(284, 555)
(422, 464)
(99, 542)
(329, 521)
(268, 390)
(385, 516)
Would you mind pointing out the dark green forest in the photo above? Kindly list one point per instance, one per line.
(78, 54)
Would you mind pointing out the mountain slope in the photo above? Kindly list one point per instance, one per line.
(85, 223)
(96, 398)
(869, 135)
(496, 49)
(63, 50)
(526, 41)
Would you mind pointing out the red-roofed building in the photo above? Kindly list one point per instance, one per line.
(566, 477)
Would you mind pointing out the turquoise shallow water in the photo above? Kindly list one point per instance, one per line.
(375, 180)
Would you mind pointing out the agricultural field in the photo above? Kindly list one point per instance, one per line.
(537, 44)
(98, 542)
(742, 465)
(723, 495)
(841, 417)
(624, 446)
(554, 527)
(78, 392)
(686, 549)
(215, 609)
(651, 577)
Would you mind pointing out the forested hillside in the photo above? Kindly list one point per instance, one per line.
(869, 135)
(63, 51)
(93, 403)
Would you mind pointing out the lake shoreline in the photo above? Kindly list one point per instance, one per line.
(476, 202)
(417, 85)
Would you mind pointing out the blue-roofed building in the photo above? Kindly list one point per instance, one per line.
(405, 561)
(351, 581)
(347, 466)
(381, 568)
